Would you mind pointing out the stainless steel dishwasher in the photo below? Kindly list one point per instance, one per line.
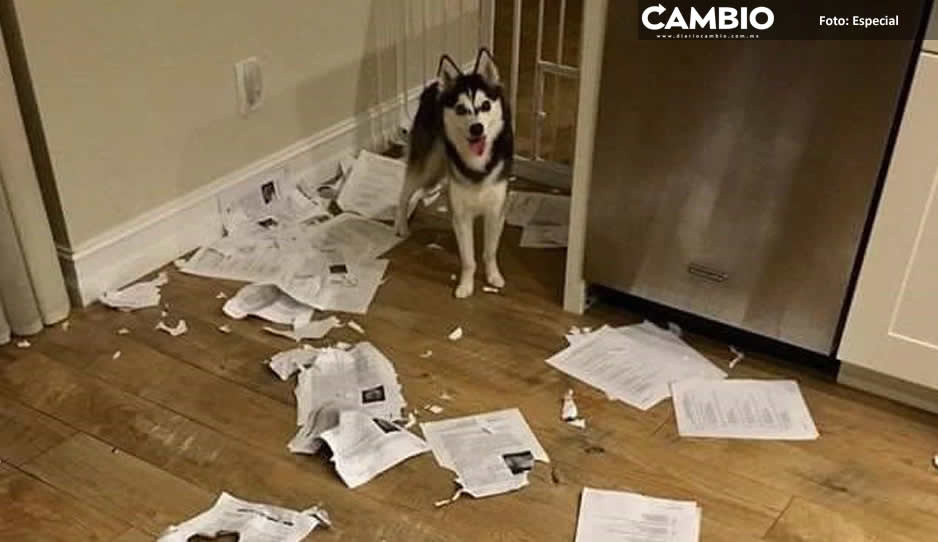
(733, 180)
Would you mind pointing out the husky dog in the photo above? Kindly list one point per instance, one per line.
(463, 131)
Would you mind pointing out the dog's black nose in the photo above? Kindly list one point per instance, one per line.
(476, 129)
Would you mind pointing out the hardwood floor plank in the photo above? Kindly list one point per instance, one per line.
(134, 535)
(806, 521)
(26, 433)
(108, 479)
(34, 511)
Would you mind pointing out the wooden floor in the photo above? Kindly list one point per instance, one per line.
(96, 448)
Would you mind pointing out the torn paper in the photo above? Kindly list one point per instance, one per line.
(490, 453)
(569, 412)
(617, 516)
(253, 522)
(373, 188)
(314, 329)
(490, 289)
(362, 377)
(116, 354)
(738, 356)
(743, 409)
(175, 331)
(268, 302)
(634, 364)
(123, 331)
(426, 354)
(537, 208)
(224, 328)
(285, 364)
(455, 335)
(253, 201)
(23, 343)
(356, 326)
(435, 409)
(435, 246)
(544, 236)
(137, 296)
(362, 445)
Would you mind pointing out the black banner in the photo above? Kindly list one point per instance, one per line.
(781, 20)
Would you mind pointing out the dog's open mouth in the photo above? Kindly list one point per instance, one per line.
(477, 145)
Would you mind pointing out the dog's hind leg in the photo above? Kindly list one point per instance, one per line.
(494, 217)
(414, 181)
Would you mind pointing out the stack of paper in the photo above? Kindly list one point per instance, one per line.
(616, 516)
(544, 217)
(253, 522)
(297, 257)
(490, 453)
(743, 409)
(634, 364)
(362, 445)
(138, 296)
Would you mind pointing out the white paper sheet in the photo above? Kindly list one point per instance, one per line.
(362, 446)
(635, 364)
(362, 377)
(374, 186)
(490, 453)
(743, 409)
(137, 296)
(536, 208)
(268, 302)
(253, 522)
(544, 236)
(356, 238)
(238, 259)
(617, 516)
(353, 291)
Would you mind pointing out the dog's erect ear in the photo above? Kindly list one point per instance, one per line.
(447, 72)
(485, 66)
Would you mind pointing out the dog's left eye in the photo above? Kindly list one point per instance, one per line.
(461, 110)
(486, 106)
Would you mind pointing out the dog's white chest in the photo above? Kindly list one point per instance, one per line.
(474, 199)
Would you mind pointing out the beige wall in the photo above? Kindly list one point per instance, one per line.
(137, 98)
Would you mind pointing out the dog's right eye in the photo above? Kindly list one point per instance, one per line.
(461, 110)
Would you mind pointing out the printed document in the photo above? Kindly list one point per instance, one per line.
(490, 453)
(253, 522)
(362, 446)
(617, 516)
(743, 409)
(373, 187)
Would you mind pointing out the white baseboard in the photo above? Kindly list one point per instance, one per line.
(139, 246)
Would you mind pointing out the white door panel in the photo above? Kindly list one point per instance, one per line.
(892, 327)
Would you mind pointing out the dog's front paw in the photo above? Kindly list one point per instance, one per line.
(464, 289)
(494, 277)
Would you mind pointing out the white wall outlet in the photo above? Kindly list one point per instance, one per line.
(249, 83)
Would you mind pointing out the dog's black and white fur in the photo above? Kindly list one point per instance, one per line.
(463, 132)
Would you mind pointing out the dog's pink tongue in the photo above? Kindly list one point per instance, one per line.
(477, 146)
